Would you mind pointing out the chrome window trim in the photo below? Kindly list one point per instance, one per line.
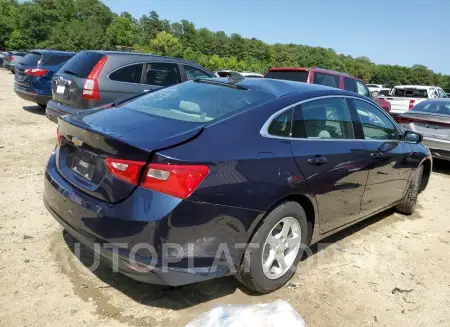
(264, 131)
(206, 73)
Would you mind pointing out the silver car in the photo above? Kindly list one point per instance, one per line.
(431, 118)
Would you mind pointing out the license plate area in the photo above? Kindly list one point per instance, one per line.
(60, 88)
(20, 77)
(83, 167)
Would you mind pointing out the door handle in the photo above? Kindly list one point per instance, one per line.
(317, 160)
(376, 154)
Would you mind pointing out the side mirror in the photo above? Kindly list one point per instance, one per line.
(412, 137)
(375, 94)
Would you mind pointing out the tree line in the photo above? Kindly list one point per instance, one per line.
(89, 24)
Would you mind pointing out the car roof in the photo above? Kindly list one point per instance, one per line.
(281, 88)
(137, 54)
(42, 51)
(302, 69)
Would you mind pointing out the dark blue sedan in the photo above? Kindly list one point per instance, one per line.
(34, 73)
(217, 177)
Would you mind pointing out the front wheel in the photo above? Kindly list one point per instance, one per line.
(408, 203)
(43, 106)
(275, 249)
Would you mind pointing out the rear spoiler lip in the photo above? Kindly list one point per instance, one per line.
(175, 140)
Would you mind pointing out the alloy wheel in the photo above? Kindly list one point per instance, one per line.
(281, 248)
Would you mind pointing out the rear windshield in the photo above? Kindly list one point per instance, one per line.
(297, 76)
(31, 59)
(435, 107)
(410, 93)
(35, 59)
(199, 101)
(82, 63)
(55, 59)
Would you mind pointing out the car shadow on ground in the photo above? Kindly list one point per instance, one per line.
(177, 298)
(174, 298)
(35, 110)
(336, 237)
(441, 166)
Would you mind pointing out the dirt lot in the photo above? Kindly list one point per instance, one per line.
(390, 270)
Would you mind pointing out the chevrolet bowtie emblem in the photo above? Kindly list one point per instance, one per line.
(77, 141)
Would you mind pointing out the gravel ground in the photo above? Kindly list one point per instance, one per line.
(390, 270)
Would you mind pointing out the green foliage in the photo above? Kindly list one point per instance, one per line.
(121, 32)
(166, 44)
(89, 24)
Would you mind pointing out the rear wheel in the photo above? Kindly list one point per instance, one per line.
(275, 249)
(408, 203)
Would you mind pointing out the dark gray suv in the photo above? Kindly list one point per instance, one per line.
(95, 78)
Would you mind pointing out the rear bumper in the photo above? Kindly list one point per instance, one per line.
(33, 97)
(440, 149)
(57, 109)
(184, 236)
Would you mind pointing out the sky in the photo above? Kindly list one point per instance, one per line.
(396, 32)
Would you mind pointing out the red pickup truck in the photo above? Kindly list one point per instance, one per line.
(326, 77)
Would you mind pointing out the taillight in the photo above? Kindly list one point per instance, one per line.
(39, 72)
(90, 87)
(58, 137)
(10, 58)
(411, 104)
(125, 170)
(176, 180)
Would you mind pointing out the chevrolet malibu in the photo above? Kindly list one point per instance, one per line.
(217, 177)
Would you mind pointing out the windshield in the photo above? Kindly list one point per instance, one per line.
(435, 107)
(198, 101)
(410, 93)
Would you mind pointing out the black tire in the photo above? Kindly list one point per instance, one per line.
(43, 106)
(408, 203)
(251, 273)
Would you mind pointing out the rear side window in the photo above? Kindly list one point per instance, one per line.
(350, 85)
(128, 74)
(435, 107)
(54, 60)
(162, 74)
(323, 119)
(326, 79)
(31, 59)
(296, 76)
(410, 93)
(442, 94)
(200, 101)
(281, 125)
(83, 63)
(193, 73)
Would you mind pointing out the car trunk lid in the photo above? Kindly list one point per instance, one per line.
(429, 125)
(88, 139)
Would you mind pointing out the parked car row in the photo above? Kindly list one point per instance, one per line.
(34, 73)
(11, 59)
(169, 153)
(326, 77)
(404, 97)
